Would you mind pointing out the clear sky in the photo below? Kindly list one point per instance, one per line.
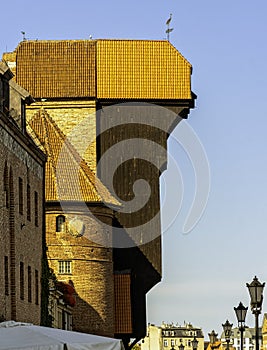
(206, 270)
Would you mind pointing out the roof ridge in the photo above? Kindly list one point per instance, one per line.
(51, 158)
(85, 40)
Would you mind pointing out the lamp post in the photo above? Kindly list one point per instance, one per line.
(194, 343)
(227, 327)
(241, 312)
(181, 347)
(213, 338)
(255, 289)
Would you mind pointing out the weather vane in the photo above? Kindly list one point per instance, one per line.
(168, 30)
(23, 35)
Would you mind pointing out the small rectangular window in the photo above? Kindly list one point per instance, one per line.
(28, 202)
(165, 342)
(36, 218)
(36, 287)
(6, 275)
(20, 195)
(21, 280)
(64, 266)
(60, 223)
(29, 284)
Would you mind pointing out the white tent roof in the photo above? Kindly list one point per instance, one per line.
(25, 336)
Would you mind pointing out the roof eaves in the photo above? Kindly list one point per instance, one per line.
(23, 93)
(4, 70)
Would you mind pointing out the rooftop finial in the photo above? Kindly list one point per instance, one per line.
(168, 30)
(23, 35)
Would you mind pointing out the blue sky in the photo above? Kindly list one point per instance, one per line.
(205, 271)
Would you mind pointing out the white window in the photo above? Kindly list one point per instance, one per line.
(64, 266)
(172, 342)
(165, 342)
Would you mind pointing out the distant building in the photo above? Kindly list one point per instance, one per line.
(72, 256)
(248, 339)
(264, 332)
(169, 336)
(21, 207)
(61, 302)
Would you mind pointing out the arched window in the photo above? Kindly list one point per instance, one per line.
(60, 223)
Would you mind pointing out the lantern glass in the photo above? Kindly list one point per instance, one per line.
(241, 312)
(255, 289)
(213, 337)
(227, 327)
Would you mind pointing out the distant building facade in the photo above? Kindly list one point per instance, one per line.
(21, 207)
(248, 339)
(169, 336)
(61, 304)
(264, 332)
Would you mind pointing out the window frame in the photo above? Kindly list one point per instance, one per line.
(28, 202)
(36, 287)
(21, 280)
(36, 209)
(6, 272)
(60, 223)
(65, 267)
(20, 196)
(29, 284)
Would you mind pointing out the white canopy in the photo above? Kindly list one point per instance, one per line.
(25, 336)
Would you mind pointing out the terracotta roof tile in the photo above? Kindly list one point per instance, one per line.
(57, 68)
(141, 69)
(68, 177)
(103, 69)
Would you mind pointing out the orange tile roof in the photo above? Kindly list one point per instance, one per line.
(103, 69)
(57, 68)
(216, 345)
(63, 163)
(141, 69)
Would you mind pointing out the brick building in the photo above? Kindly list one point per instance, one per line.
(21, 207)
(79, 87)
(73, 257)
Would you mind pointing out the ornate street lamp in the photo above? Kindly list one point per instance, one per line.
(227, 327)
(255, 289)
(241, 312)
(194, 343)
(213, 338)
(181, 347)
